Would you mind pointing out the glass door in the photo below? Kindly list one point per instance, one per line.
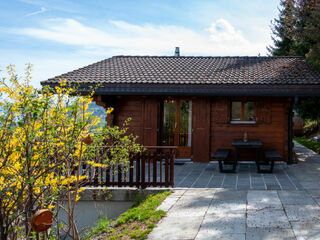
(177, 126)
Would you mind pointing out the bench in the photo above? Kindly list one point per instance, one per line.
(270, 156)
(222, 155)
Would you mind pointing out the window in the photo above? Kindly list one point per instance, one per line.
(242, 112)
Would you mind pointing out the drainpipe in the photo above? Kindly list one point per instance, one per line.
(290, 160)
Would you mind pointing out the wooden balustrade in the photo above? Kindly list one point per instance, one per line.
(151, 168)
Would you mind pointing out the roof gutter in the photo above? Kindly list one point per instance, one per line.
(199, 89)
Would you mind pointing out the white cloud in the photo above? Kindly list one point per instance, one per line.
(120, 37)
(42, 10)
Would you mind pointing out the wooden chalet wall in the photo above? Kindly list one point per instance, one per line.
(271, 127)
(211, 123)
(143, 112)
(201, 129)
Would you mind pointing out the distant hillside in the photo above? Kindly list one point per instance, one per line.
(99, 112)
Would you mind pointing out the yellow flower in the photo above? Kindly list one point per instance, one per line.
(110, 110)
(50, 206)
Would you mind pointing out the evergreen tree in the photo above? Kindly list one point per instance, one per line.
(282, 29)
(303, 12)
(297, 32)
(312, 35)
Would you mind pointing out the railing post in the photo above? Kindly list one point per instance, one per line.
(131, 172)
(143, 172)
(172, 158)
(138, 177)
(96, 176)
(84, 172)
(119, 175)
(89, 175)
(166, 170)
(107, 182)
(155, 160)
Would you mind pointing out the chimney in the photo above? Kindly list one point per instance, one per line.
(177, 52)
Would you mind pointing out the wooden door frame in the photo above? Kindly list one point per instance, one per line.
(177, 99)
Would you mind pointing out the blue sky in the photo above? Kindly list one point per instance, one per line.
(58, 36)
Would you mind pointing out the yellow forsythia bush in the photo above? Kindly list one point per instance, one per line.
(41, 145)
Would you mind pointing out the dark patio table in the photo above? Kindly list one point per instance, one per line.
(255, 144)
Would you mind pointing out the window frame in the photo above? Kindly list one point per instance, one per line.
(242, 117)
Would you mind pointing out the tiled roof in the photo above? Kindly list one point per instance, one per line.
(195, 70)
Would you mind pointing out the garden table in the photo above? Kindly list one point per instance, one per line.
(254, 144)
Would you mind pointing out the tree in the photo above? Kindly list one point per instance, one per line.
(312, 33)
(308, 109)
(42, 146)
(297, 32)
(282, 29)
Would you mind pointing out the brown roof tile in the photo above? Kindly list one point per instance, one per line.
(195, 70)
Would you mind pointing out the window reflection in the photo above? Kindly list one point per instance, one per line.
(242, 111)
(236, 111)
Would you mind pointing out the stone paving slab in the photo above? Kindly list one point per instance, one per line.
(224, 208)
(296, 197)
(171, 200)
(267, 218)
(306, 230)
(301, 176)
(176, 228)
(258, 200)
(314, 193)
(216, 236)
(224, 194)
(290, 211)
(303, 213)
(229, 214)
(269, 234)
(234, 223)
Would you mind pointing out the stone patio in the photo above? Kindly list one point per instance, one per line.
(305, 175)
(225, 207)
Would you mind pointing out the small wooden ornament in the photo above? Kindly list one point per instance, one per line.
(245, 137)
(87, 140)
(41, 221)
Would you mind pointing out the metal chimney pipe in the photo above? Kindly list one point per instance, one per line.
(177, 52)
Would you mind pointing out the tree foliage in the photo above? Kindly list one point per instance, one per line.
(282, 29)
(308, 108)
(296, 32)
(42, 147)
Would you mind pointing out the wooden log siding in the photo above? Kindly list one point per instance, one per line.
(271, 127)
(211, 123)
(201, 129)
(149, 169)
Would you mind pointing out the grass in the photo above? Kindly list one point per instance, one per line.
(313, 145)
(136, 223)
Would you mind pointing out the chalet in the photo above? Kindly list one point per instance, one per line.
(201, 104)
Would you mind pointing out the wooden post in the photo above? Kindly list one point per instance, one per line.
(172, 158)
(131, 172)
(138, 159)
(155, 169)
(119, 175)
(166, 170)
(96, 176)
(143, 172)
(107, 182)
(160, 166)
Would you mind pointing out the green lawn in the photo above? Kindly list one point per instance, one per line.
(315, 146)
(135, 223)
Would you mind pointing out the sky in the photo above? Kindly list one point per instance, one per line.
(58, 36)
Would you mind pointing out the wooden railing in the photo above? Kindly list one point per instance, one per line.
(151, 168)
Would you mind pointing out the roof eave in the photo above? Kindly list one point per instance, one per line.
(200, 89)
